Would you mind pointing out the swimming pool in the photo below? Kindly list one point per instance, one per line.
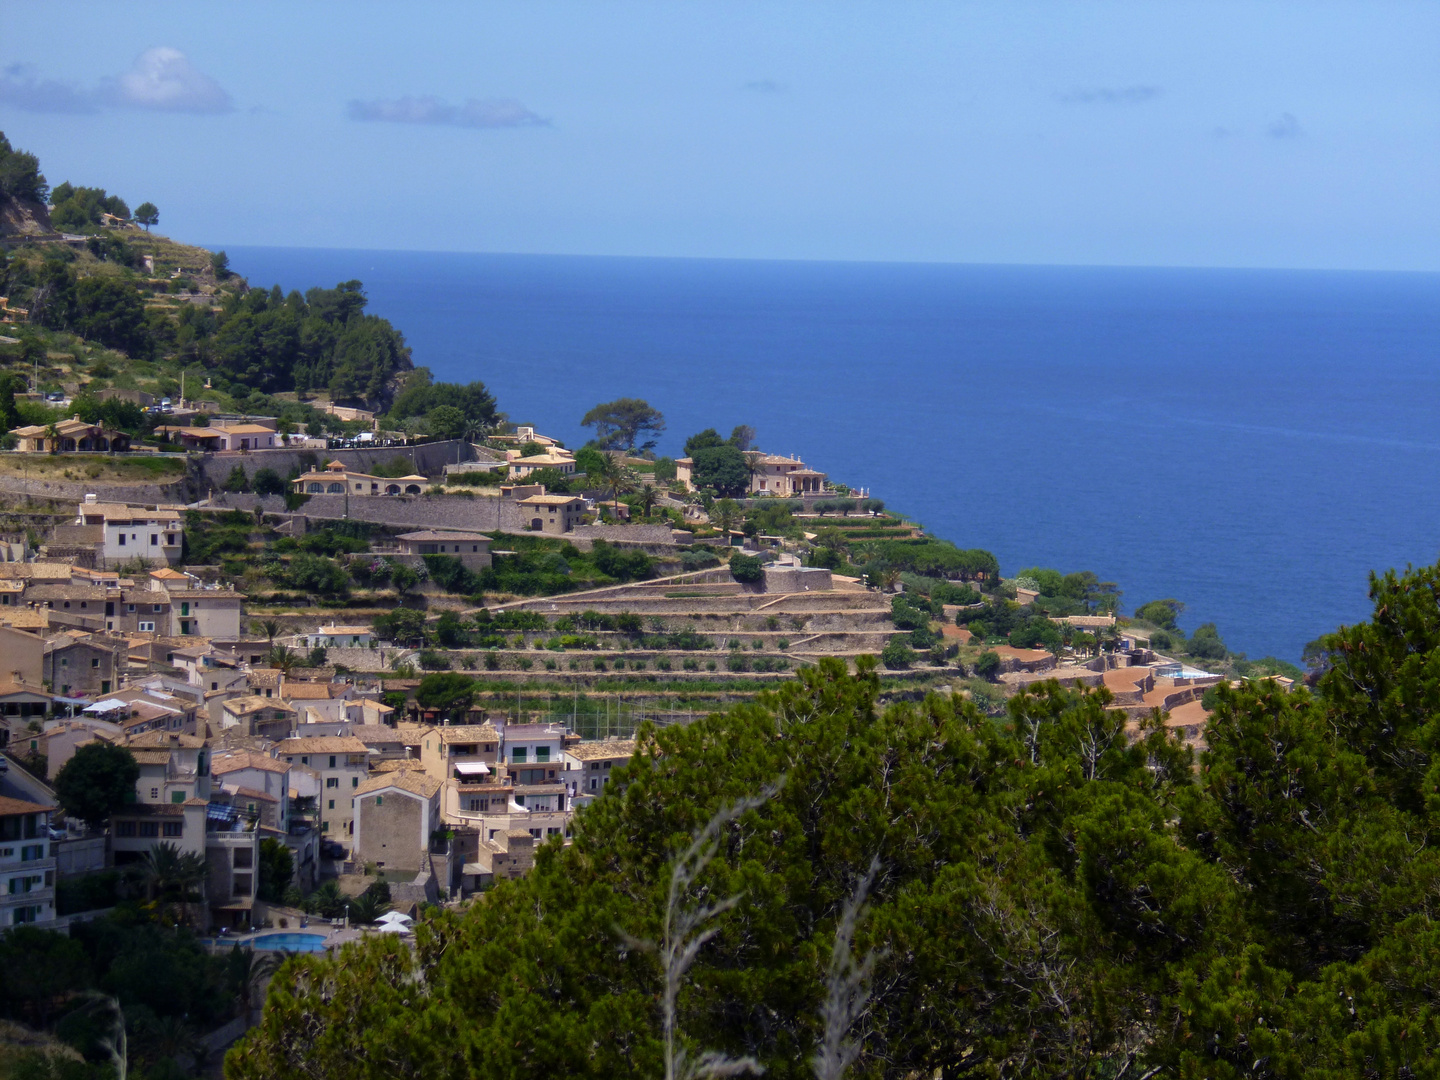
(290, 942)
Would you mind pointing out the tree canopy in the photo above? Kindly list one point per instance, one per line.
(1050, 896)
(619, 424)
(20, 176)
(97, 780)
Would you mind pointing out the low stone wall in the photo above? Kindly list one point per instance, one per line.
(74, 491)
(628, 534)
(428, 459)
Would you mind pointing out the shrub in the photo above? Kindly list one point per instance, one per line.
(896, 654)
(988, 666)
(662, 664)
(492, 661)
(434, 661)
(746, 569)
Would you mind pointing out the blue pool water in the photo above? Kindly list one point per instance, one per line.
(291, 942)
(1252, 443)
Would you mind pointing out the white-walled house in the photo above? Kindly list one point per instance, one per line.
(152, 535)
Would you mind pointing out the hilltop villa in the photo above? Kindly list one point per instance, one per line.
(335, 479)
(770, 474)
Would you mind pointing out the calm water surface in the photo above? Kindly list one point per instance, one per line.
(1250, 442)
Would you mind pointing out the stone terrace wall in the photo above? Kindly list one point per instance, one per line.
(428, 459)
(74, 491)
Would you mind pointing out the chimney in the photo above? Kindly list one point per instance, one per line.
(91, 500)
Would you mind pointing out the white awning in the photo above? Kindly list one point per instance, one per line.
(108, 705)
(516, 808)
(472, 768)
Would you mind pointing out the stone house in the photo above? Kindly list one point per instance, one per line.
(336, 479)
(253, 715)
(245, 436)
(472, 549)
(554, 514)
(394, 815)
(69, 435)
(82, 665)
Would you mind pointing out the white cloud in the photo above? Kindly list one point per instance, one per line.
(473, 113)
(163, 78)
(22, 88)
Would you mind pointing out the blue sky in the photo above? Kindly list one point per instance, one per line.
(1156, 133)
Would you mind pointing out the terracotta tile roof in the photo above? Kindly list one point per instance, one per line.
(236, 760)
(468, 733)
(251, 793)
(20, 806)
(239, 706)
(397, 765)
(411, 780)
(166, 738)
(430, 534)
(151, 757)
(37, 571)
(322, 744)
(309, 691)
(377, 734)
(601, 749)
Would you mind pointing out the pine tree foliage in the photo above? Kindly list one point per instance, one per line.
(1054, 895)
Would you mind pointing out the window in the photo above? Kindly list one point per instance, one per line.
(154, 792)
(157, 607)
(149, 828)
(240, 886)
(27, 914)
(154, 540)
(379, 800)
(332, 805)
(332, 761)
(594, 766)
(32, 852)
(125, 828)
(594, 783)
(542, 753)
(122, 539)
(94, 661)
(324, 826)
(177, 796)
(147, 627)
(173, 828)
(244, 859)
(354, 781)
(518, 755)
(333, 781)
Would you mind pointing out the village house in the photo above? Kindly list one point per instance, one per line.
(554, 514)
(335, 479)
(535, 759)
(173, 767)
(244, 436)
(343, 764)
(258, 785)
(82, 665)
(462, 752)
(152, 535)
(472, 549)
(590, 764)
(210, 611)
(67, 436)
(262, 717)
(770, 474)
(395, 814)
(338, 637)
(27, 864)
(521, 467)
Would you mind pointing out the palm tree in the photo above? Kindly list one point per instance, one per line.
(270, 628)
(246, 971)
(161, 869)
(615, 478)
(648, 495)
(281, 658)
(367, 907)
(724, 513)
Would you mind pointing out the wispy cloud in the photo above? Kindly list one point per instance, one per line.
(473, 113)
(1111, 95)
(161, 79)
(22, 87)
(1286, 127)
(764, 86)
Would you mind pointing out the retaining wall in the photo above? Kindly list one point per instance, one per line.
(427, 458)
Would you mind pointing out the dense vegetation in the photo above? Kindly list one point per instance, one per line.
(1049, 897)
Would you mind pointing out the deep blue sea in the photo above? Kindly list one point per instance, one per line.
(1250, 442)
